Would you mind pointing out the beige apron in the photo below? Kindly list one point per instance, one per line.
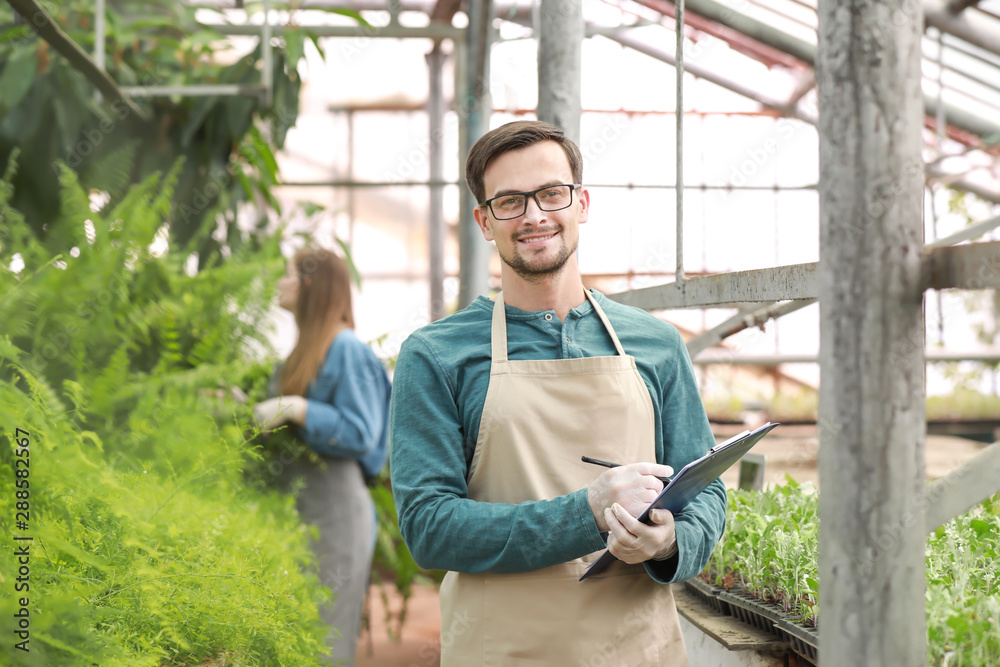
(539, 417)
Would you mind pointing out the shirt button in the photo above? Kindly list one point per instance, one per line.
(567, 340)
(548, 317)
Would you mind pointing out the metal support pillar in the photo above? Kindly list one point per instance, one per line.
(435, 222)
(560, 47)
(871, 457)
(679, 142)
(473, 108)
(266, 74)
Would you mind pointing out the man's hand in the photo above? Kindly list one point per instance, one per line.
(632, 486)
(632, 541)
(274, 412)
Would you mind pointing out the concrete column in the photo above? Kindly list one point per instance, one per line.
(560, 42)
(872, 422)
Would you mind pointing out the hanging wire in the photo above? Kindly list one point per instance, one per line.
(679, 190)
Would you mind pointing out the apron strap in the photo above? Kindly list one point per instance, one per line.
(498, 339)
(607, 324)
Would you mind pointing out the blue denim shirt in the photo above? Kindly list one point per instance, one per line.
(348, 413)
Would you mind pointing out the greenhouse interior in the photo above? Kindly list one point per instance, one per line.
(254, 286)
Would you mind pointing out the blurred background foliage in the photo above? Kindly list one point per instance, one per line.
(150, 544)
(160, 539)
(227, 142)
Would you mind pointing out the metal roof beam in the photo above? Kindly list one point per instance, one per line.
(754, 317)
(794, 111)
(984, 36)
(963, 488)
(737, 40)
(797, 281)
(751, 27)
(432, 31)
(936, 14)
(806, 52)
(972, 266)
(933, 356)
(966, 234)
(959, 6)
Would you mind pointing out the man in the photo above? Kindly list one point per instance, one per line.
(493, 408)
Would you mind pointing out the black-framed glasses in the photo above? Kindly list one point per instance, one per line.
(514, 204)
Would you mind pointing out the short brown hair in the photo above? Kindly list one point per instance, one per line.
(518, 134)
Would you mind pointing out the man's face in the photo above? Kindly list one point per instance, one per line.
(538, 243)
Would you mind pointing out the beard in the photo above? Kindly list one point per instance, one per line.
(535, 269)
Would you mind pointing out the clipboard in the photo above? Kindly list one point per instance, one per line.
(692, 480)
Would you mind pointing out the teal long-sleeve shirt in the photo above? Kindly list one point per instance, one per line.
(439, 388)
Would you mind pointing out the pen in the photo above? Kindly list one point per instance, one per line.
(608, 464)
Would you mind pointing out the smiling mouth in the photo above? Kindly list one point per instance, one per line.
(532, 240)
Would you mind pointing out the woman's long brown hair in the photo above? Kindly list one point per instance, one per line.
(323, 308)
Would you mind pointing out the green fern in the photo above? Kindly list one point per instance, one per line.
(154, 547)
(113, 171)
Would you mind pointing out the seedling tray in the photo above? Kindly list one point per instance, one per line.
(710, 595)
(752, 612)
(803, 640)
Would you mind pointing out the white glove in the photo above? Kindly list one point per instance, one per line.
(276, 411)
(632, 486)
(631, 541)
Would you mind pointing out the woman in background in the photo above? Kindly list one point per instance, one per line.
(336, 392)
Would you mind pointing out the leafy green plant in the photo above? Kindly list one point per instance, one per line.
(226, 154)
(963, 589)
(159, 537)
(963, 403)
(771, 548)
(150, 547)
